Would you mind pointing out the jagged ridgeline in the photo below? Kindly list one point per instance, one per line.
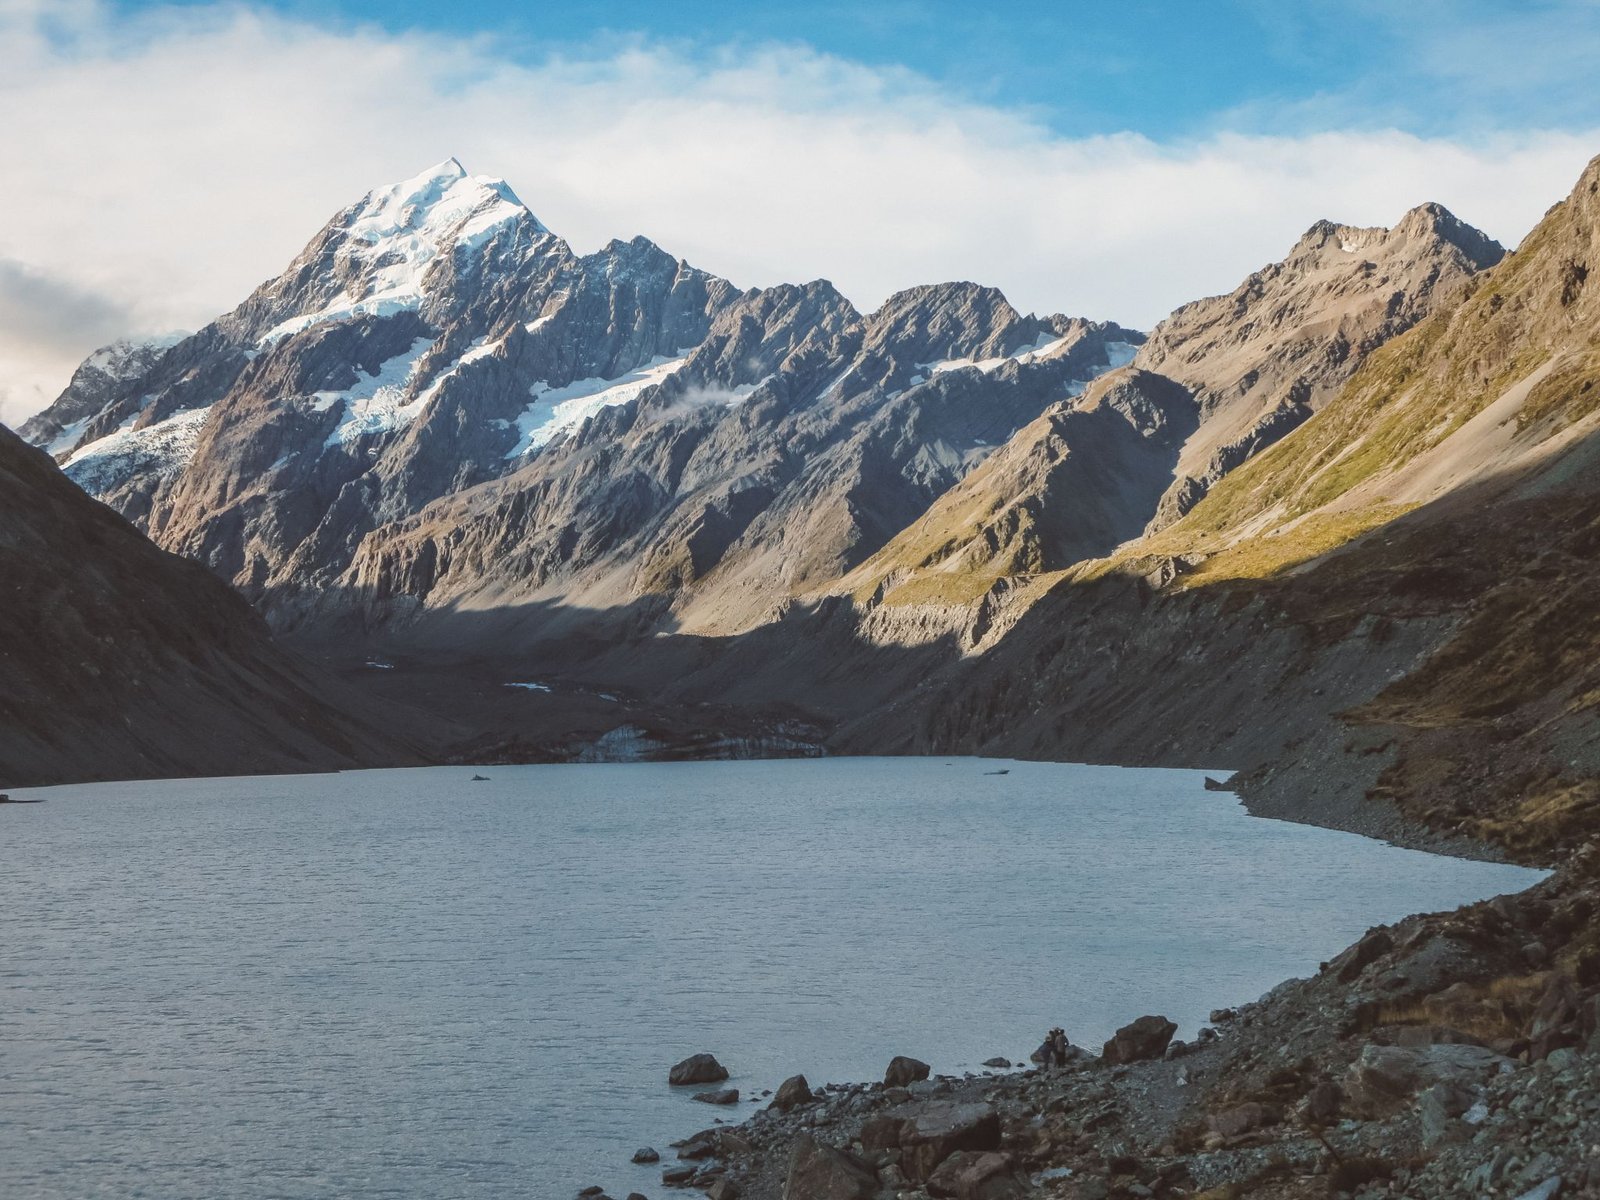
(439, 404)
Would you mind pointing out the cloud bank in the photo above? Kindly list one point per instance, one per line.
(159, 167)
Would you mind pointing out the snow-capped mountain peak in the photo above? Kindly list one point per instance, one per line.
(377, 255)
(442, 203)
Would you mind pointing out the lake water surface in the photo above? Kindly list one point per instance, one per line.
(407, 984)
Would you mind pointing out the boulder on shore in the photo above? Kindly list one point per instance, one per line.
(903, 1070)
(927, 1134)
(791, 1093)
(966, 1175)
(1348, 965)
(819, 1172)
(1143, 1039)
(697, 1068)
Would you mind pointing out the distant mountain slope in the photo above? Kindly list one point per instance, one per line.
(1266, 356)
(794, 442)
(118, 660)
(1395, 603)
(1216, 383)
(439, 405)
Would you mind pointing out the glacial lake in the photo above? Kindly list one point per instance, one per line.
(408, 984)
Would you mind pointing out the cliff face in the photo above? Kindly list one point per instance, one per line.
(118, 660)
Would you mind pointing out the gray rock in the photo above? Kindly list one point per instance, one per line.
(1383, 1076)
(967, 1175)
(928, 1133)
(1440, 1109)
(903, 1071)
(1146, 1038)
(1348, 965)
(646, 1154)
(821, 1172)
(719, 1096)
(1241, 1119)
(697, 1068)
(1320, 1107)
(792, 1092)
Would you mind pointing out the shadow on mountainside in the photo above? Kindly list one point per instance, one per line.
(1431, 680)
(119, 661)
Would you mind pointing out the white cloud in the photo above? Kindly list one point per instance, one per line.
(167, 164)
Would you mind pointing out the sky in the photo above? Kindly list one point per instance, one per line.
(1104, 160)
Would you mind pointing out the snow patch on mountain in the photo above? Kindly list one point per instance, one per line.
(379, 403)
(1120, 354)
(394, 237)
(67, 439)
(557, 410)
(125, 355)
(161, 450)
(1041, 347)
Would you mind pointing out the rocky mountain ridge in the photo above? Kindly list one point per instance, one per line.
(607, 430)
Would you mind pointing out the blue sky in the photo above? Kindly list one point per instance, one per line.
(1169, 69)
(1110, 160)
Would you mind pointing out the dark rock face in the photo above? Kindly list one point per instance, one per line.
(1351, 962)
(719, 1096)
(821, 1172)
(791, 1093)
(903, 1070)
(966, 1175)
(1145, 1038)
(120, 661)
(645, 1155)
(928, 1133)
(697, 1068)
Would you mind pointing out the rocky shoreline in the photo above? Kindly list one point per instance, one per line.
(1446, 1055)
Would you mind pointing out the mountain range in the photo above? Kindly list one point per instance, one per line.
(495, 499)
